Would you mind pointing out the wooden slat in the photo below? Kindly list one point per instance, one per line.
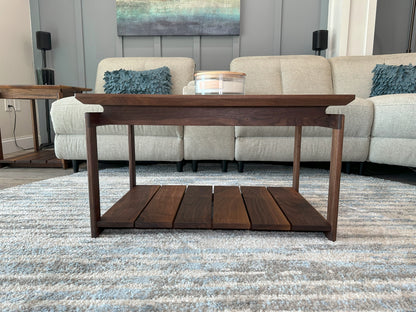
(195, 211)
(124, 213)
(229, 211)
(264, 213)
(299, 212)
(161, 211)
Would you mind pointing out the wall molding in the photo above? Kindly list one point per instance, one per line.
(277, 33)
(351, 27)
(23, 141)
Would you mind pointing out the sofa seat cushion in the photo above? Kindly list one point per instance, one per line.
(394, 116)
(312, 149)
(208, 142)
(358, 123)
(115, 147)
(68, 117)
(393, 151)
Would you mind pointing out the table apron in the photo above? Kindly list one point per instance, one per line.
(215, 116)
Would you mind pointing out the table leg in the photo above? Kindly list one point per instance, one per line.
(296, 157)
(335, 178)
(93, 179)
(1, 149)
(34, 126)
(132, 156)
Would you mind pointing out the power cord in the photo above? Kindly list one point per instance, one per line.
(14, 129)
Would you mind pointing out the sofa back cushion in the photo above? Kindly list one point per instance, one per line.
(181, 69)
(353, 74)
(285, 74)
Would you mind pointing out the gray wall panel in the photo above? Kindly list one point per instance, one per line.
(260, 27)
(140, 46)
(87, 33)
(66, 42)
(216, 52)
(300, 19)
(392, 27)
(100, 35)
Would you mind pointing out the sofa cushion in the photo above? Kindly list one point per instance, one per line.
(181, 68)
(391, 79)
(263, 73)
(68, 117)
(353, 74)
(394, 116)
(310, 75)
(153, 81)
(358, 123)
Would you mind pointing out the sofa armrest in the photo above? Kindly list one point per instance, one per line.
(67, 115)
(189, 89)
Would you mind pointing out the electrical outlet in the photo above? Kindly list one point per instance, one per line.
(14, 103)
(6, 105)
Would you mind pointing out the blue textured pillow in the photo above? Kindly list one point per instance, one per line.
(391, 79)
(154, 81)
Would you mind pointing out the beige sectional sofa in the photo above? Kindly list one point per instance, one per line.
(379, 129)
(153, 143)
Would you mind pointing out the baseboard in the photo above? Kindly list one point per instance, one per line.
(9, 145)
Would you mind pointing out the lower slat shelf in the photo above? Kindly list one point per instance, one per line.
(221, 207)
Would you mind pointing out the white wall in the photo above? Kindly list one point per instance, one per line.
(16, 67)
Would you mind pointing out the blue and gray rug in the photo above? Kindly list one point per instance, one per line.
(49, 262)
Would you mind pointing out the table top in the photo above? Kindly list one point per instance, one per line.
(42, 87)
(304, 100)
(32, 92)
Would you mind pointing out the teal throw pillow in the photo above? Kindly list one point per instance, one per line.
(154, 81)
(392, 79)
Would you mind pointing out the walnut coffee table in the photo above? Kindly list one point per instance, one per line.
(221, 207)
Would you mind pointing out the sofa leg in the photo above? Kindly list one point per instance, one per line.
(75, 165)
(240, 166)
(194, 165)
(179, 166)
(361, 169)
(348, 167)
(224, 165)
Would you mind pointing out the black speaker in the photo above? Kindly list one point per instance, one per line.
(320, 40)
(43, 40)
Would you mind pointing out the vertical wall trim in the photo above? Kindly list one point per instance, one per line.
(119, 46)
(278, 22)
(338, 27)
(79, 37)
(370, 27)
(35, 17)
(196, 52)
(157, 46)
(236, 46)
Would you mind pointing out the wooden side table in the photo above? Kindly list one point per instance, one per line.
(227, 207)
(37, 158)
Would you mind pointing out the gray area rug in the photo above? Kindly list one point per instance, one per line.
(49, 262)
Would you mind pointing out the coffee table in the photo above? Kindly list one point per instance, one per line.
(215, 207)
(37, 158)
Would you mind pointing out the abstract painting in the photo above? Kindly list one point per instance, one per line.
(178, 17)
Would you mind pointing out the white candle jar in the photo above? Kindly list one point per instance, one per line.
(219, 82)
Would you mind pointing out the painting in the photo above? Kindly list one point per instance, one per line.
(178, 17)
